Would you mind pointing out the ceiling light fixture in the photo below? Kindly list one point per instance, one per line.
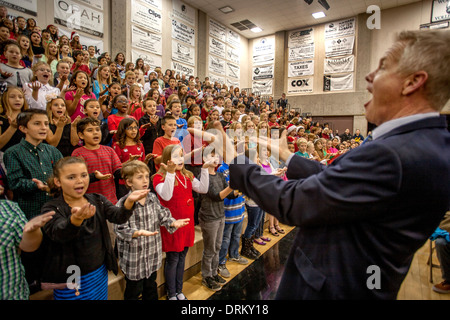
(318, 15)
(256, 29)
(226, 9)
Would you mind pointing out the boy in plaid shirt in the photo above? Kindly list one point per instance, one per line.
(138, 240)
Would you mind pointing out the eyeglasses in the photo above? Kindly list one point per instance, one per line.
(132, 128)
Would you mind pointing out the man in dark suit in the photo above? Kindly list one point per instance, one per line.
(362, 218)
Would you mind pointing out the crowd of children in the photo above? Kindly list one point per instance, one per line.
(99, 171)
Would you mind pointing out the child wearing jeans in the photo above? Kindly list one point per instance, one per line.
(212, 220)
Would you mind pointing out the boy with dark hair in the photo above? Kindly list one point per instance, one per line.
(169, 126)
(30, 163)
(99, 158)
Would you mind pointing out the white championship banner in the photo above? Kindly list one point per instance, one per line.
(232, 70)
(151, 59)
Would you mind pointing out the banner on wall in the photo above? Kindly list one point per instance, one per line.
(233, 55)
(146, 41)
(183, 69)
(155, 3)
(233, 70)
(233, 38)
(97, 4)
(232, 83)
(300, 85)
(183, 33)
(183, 53)
(183, 12)
(216, 65)
(342, 28)
(339, 46)
(215, 78)
(217, 48)
(339, 65)
(78, 17)
(151, 59)
(440, 10)
(265, 72)
(301, 37)
(146, 17)
(86, 41)
(338, 82)
(262, 60)
(217, 30)
(262, 87)
(305, 51)
(300, 68)
(24, 6)
(264, 47)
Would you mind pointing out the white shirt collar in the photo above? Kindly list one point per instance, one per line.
(395, 123)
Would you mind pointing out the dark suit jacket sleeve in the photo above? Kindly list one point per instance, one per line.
(358, 186)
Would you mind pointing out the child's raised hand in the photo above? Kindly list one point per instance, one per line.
(144, 233)
(210, 163)
(102, 99)
(137, 195)
(79, 93)
(180, 223)
(80, 214)
(5, 74)
(101, 176)
(75, 121)
(38, 222)
(148, 157)
(41, 185)
(35, 86)
(170, 166)
(134, 157)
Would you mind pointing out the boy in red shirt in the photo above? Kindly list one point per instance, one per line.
(98, 158)
(169, 126)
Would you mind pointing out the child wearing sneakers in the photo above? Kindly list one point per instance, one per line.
(212, 220)
(234, 218)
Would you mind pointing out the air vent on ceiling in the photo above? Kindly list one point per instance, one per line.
(244, 25)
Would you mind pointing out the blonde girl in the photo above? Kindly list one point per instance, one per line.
(135, 97)
(174, 185)
(100, 86)
(26, 50)
(51, 56)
